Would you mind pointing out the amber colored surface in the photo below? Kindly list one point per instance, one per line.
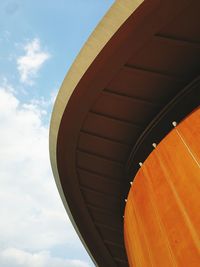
(162, 214)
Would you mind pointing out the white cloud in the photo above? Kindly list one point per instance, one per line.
(32, 204)
(29, 64)
(32, 215)
(46, 102)
(18, 258)
(53, 96)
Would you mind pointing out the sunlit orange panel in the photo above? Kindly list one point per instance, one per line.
(162, 214)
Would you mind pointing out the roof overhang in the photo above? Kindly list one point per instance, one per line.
(136, 74)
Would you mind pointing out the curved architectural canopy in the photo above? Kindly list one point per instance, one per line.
(137, 73)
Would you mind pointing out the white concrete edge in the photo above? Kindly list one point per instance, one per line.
(111, 22)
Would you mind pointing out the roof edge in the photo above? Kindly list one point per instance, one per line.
(108, 26)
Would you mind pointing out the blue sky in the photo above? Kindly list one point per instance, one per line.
(39, 40)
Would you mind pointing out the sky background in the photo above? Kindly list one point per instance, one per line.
(39, 40)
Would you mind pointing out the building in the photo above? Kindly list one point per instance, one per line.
(125, 159)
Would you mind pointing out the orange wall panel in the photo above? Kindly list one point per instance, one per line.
(162, 214)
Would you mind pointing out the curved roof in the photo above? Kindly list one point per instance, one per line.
(136, 74)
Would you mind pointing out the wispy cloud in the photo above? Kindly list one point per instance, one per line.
(32, 216)
(30, 63)
(28, 189)
(19, 258)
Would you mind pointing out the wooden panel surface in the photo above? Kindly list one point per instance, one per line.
(162, 215)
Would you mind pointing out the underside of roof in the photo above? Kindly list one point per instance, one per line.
(124, 91)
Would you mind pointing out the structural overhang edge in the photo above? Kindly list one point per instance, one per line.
(108, 26)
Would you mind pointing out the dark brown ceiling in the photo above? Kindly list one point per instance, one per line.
(143, 79)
